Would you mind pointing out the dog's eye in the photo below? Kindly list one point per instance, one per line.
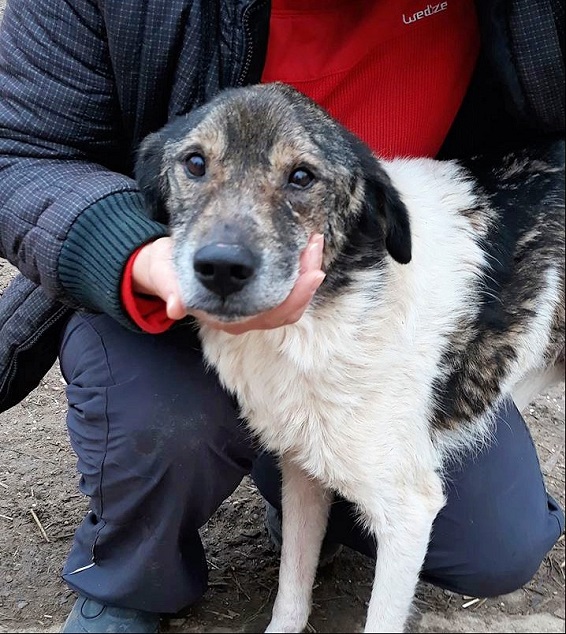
(195, 165)
(301, 178)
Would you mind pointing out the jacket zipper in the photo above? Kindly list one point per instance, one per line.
(248, 40)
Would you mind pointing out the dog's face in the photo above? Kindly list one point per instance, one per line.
(244, 180)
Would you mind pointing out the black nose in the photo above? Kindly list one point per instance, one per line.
(224, 268)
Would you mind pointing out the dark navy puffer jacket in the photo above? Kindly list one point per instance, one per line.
(83, 81)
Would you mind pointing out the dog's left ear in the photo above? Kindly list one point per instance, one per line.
(392, 214)
(383, 204)
(148, 173)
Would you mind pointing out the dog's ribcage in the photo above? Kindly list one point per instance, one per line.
(349, 390)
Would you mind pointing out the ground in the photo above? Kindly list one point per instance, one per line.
(40, 506)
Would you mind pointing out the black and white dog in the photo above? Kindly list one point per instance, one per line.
(444, 294)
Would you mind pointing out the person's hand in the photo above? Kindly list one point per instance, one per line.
(153, 274)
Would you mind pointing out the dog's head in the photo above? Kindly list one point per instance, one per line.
(245, 179)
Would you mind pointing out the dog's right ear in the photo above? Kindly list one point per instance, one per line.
(151, 180)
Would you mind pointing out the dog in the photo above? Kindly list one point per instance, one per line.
(443, 295)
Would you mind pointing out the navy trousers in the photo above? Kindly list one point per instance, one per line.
(160, 446)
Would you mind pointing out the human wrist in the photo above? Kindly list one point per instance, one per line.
(140, 270)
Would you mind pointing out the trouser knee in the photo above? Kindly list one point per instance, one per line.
(514, 563)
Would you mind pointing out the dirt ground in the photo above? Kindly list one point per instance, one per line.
(40, 506)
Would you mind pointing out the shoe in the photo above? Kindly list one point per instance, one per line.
(88, 615)
(328, 552)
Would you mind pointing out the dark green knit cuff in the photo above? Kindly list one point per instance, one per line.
(97, 248)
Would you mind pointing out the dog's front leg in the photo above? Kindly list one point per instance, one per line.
(402, 533)
(305, 515)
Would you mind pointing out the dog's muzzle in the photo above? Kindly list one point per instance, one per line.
(223, 268)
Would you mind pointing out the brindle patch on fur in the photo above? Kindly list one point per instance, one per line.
(523, 244)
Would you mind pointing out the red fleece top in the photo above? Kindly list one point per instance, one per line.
(393, 72)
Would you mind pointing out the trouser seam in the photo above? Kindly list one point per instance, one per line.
(100, 339)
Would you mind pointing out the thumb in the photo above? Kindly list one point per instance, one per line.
(174, 307)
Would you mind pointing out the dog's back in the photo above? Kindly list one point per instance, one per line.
(514, 343)
(526, 285)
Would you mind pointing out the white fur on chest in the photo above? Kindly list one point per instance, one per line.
(313, 389)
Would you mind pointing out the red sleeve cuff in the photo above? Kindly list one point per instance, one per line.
(149, 313)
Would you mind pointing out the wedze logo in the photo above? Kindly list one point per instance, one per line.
(431, 9)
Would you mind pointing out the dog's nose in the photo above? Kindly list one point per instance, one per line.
(224, 268)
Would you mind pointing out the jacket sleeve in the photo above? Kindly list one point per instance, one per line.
(70, 216)
(525, 43)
